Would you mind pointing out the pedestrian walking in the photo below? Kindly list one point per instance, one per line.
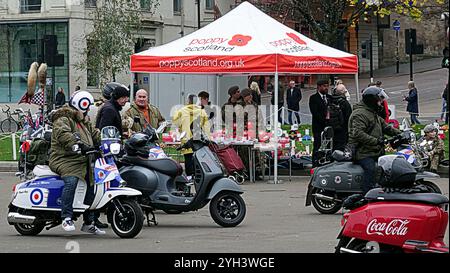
(413, 103)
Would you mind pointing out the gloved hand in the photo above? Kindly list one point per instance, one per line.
(380, 141)
(84, 148)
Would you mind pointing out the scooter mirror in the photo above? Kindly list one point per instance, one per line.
(328, 132)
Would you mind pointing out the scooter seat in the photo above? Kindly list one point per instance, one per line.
(379, 194)
(42, 171)
(166, 166)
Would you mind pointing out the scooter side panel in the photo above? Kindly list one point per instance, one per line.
(338, 176)
(140, 178)
(395, 222)
(40, 193)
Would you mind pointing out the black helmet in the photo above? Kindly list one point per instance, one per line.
(151, 133)
(371, 96)
(109, 88)
(137, 145)
(397, 172)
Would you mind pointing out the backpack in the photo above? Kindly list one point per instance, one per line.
(39, 152)
(335, 115)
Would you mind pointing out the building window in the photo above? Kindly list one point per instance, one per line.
(209, 5)
(22, 44)
(177, 7)
(27, 6)
(90, 3)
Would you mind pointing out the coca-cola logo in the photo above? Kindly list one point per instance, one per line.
(394, 227)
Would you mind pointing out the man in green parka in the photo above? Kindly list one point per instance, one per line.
(70, 127)
(366, 133)
(143, 113)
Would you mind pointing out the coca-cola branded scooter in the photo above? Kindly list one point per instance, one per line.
(395, 220)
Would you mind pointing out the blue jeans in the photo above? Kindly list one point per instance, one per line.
(414, 119)
(368, 165)
(297, 116)
(67, 197)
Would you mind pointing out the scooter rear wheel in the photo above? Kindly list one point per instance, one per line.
(323, 206)
(227, 209)
(29, 229)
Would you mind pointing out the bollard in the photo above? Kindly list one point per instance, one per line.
(13, 137)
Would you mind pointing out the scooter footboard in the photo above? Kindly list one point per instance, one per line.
(224, 184)
(115, 192)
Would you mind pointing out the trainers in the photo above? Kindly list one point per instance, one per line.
(92, 229)
(67, 224)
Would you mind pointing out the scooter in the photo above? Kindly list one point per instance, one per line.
(36, 204)
(390, 221)
(155, 178)
(338, 177)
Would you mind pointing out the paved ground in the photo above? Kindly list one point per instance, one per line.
(277, 221)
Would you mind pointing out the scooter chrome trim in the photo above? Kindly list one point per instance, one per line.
(346, 250)
(17, 218)
(326, 198)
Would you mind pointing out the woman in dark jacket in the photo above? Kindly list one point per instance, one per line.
(413, 104)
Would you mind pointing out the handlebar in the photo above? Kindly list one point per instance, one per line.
(7, 110)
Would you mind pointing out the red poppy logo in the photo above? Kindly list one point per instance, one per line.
(239, 40)
(294, 37)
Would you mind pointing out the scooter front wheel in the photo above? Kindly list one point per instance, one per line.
(126, 218)
(227, 209)
(324, 206)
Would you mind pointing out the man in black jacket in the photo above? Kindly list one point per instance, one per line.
(109, 114)
(293, 98)
(318, 107)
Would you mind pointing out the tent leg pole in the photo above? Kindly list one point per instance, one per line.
(275, 118)
(132, 87)
(357, 87)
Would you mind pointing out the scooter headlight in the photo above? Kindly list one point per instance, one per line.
(114, 148)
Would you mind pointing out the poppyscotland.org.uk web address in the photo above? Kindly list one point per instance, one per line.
(202, 63)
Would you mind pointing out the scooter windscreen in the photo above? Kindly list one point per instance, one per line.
(110, 133)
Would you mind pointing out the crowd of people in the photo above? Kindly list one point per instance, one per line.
(360, 128)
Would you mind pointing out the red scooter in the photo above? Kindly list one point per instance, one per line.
(396, 222)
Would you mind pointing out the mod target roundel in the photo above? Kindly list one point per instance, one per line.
(84, 104)
(36, 197)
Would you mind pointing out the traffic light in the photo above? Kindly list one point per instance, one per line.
(416, 49)
(50, 49)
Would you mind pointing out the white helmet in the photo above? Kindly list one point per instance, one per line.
(81, 100)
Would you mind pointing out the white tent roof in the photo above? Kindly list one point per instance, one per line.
(245, 40)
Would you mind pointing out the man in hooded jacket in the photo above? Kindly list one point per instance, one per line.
(366, 133)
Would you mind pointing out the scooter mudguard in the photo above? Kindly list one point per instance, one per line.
(224, 184)
(426, 176)
(308, 193)
(115, 192)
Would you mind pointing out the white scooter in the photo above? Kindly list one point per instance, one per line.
(37, 203)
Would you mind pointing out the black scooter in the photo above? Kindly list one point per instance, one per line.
(337, 177)
(156, 179)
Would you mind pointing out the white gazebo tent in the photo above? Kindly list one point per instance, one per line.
(246, 41)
